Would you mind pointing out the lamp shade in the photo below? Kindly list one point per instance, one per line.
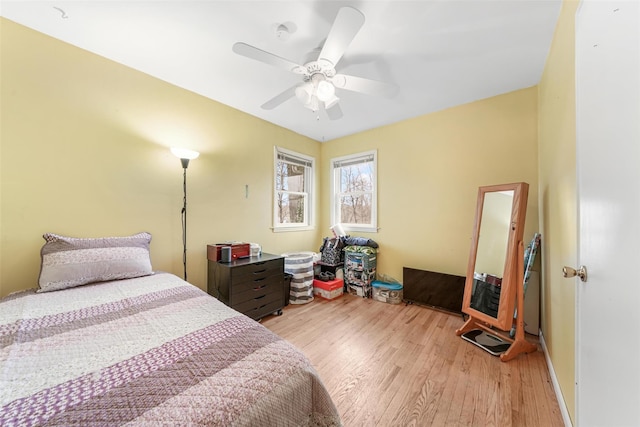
(183, 153)
(331, 102)
(312, 104)
(325, 91)
(304, 92)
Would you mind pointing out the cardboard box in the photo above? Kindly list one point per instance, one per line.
(328, 290)
(238, 250)
(363, 291)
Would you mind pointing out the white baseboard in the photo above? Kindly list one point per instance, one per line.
(556, 386)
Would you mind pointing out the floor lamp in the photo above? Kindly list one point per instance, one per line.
(184, 156)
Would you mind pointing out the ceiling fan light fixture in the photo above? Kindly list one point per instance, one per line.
(318, 72)
(304, 93)
(325, 91)
(312, 104)
(331, 102)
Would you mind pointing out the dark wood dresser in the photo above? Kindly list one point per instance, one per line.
(253, 286)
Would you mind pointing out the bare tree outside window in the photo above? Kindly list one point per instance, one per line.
(354, 186)
(290, 192)
(355, 193)
(292, 176)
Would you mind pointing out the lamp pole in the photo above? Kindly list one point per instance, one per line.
(184, 156)
(185, 164)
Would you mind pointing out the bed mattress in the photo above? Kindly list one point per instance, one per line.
(153, 350)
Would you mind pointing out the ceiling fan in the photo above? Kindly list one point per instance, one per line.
(317, 90)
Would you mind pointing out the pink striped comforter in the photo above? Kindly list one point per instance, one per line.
(149, 351)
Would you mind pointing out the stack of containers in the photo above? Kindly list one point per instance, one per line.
(360, 269)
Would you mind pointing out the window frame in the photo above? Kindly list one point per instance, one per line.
(335, 168)
(293, 157)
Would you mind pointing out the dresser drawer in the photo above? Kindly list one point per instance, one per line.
(266, 309)
(260, 312)
(250, 290)
(256, 271)
(260, 302)
(253, 286)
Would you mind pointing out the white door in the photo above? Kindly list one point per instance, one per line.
(608, 164)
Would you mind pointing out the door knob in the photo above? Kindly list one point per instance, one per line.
(572, 272)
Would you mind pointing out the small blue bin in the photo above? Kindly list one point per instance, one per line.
(390, 293)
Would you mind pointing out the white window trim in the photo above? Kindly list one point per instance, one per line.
(334, 205)
(310, 199)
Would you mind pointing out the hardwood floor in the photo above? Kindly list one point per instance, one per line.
(397, 365)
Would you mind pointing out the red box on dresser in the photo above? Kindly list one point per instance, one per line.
(238, 250)
(329, 290)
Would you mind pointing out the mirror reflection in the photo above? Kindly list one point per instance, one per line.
(493, 240)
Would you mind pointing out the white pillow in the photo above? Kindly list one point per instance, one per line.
(69, 261)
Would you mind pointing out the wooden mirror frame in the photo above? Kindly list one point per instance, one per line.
(510, 279)
(512, 287)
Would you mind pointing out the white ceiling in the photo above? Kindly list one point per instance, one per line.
(438, 53)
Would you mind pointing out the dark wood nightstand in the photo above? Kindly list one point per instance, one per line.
(253, 286)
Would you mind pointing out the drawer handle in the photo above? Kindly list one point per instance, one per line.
(260, 297)
(260, 279)
(260, 287)
(260, 271)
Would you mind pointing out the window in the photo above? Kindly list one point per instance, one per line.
(292, 190)
(354, 192)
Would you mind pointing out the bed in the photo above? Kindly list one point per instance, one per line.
(148, 350)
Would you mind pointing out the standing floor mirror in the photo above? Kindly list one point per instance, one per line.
(495, 273)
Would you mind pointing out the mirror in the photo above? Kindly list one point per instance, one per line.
(491, 255)
(492, 279)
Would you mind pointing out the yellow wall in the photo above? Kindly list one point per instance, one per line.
(429, 171)
(92, 137)
(558, 210)
(84, 152)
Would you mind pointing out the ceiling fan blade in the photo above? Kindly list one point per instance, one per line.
(360, 84)
(280, 98)
(253, 52)
(345, 27)
(334, 113)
